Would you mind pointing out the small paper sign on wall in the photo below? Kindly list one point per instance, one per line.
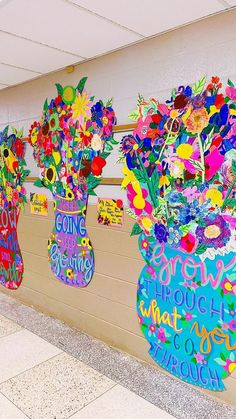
(110, 212)
(38, 204)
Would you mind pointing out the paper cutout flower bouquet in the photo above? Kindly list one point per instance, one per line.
(71, 143)
(12, 198)
(180, 177)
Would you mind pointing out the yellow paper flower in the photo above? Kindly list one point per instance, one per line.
(129, 177)
(184, 151)
(9, 193)
(197, 121)
(80, 106)
(70, 273)
(177, 169)
(215, 197)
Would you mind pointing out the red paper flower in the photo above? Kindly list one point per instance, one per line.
(97, 165)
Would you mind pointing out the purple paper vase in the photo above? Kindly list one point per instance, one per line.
(69, 248)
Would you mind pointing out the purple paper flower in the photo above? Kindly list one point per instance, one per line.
(215, 234)
(161, 233)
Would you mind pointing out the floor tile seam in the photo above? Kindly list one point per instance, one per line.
(92, 401)
(68, 352)
(95, 340)
(14, 404)
(29, 369)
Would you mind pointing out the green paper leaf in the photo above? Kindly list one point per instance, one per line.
(136, 229)
(199, 86)
(224, 374)
(59, 89)
(109, 103)
(230, 202)
(201, 249)
(81, 84)
(92, 192)
(5, 131)
(219, 361)
(234, 167)
(104, 155)
(208, 141)
(134, 115)
(222, 356)
(185, 229)
(39, 183)
(45, 106)
(108, 147)
(230, 83)
(171, 140)
(197, 164)
(140, 176)
(140, 99)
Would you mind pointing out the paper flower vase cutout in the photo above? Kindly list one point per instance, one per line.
(71, 143)
(12, 199)
(180, 177)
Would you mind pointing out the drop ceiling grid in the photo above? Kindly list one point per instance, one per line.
(38, 37)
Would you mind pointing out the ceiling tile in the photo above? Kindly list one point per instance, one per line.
(63, 25)
(231, 2)
(12, 75)
(26, 54)
(150, 17)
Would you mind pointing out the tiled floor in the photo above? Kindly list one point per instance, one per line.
(48, 370)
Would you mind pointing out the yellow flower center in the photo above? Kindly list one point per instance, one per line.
(104, 121)
(212, 232)
(184, 151)
(228, 286)
(139, 202)
(135, 147)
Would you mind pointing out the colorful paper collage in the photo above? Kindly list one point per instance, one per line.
(38, 204)
(12, 199)
(180, 177)
(110, 212)
(71, 143)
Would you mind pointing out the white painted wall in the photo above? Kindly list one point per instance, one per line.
(152, 68)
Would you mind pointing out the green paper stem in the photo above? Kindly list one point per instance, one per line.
(202, 158)
(152, 193)
(229, 192)
(167, 138)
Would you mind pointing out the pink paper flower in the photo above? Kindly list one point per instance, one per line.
(199, 358)
(188, 317)
(161, 334)
(191, 193)
(213, 163)
(231, 92)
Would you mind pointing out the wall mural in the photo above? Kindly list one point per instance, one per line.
(180, 177)
(12, 199)
(71, 143)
